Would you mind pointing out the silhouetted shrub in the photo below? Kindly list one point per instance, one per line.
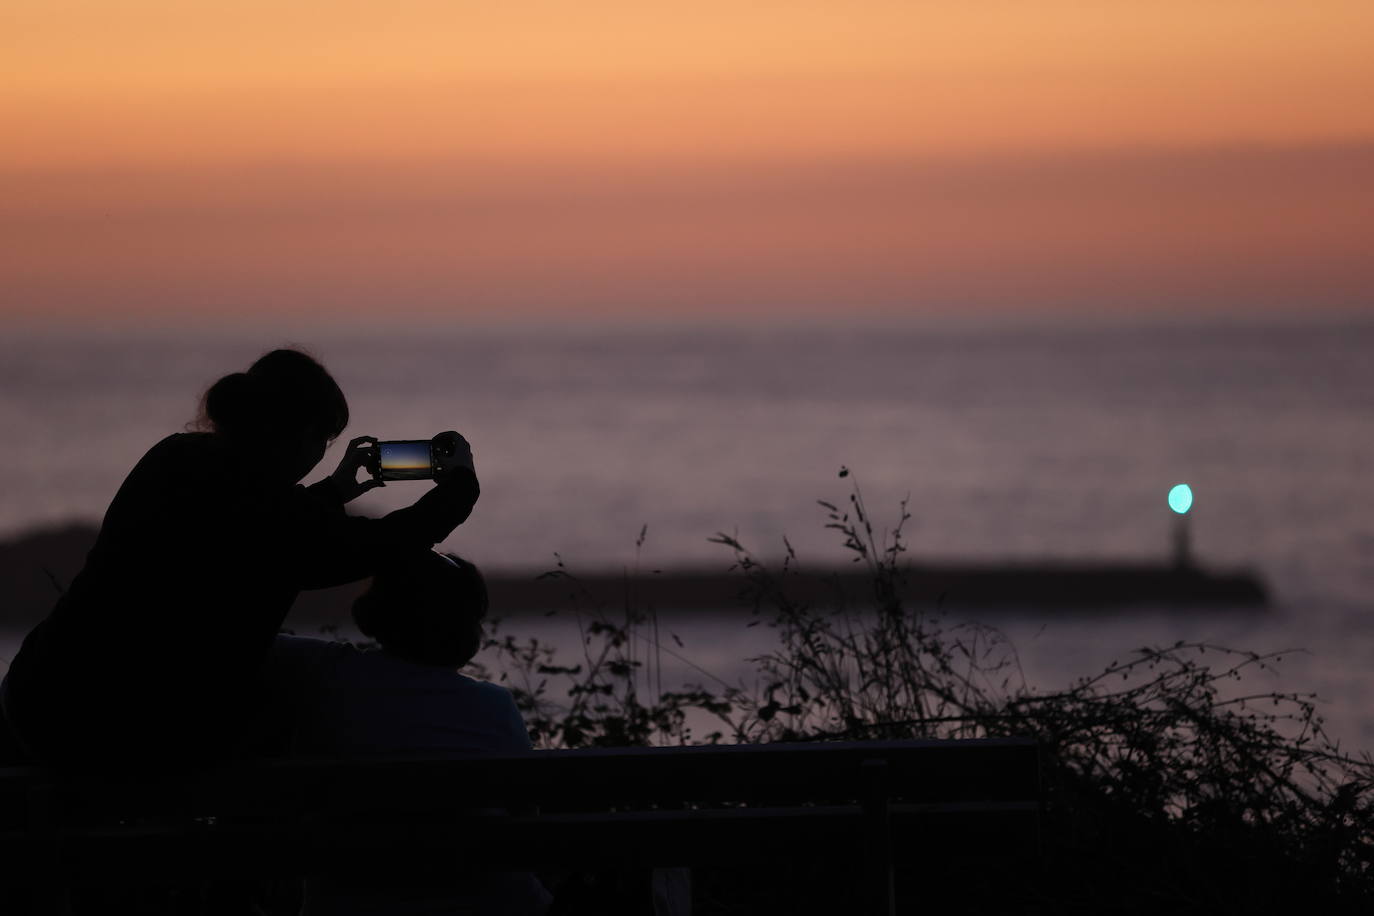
(1167, 783)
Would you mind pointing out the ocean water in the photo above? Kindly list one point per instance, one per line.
(1013, 443)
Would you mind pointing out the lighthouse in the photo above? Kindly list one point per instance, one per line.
(1180, 501)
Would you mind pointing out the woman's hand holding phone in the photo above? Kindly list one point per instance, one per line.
(361, 454)
(455, 468)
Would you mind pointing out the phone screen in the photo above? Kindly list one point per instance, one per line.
(405, 460)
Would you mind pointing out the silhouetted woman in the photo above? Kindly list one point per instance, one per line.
(152, 655)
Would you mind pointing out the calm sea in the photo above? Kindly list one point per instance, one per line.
(1011, 444)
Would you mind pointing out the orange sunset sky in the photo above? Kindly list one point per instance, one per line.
(166, 160)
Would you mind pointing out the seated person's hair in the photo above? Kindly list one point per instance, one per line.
(427, 608)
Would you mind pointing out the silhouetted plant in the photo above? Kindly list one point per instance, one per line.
(1159, 751)
(613, 695)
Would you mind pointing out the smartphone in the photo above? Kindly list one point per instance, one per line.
(405, 459)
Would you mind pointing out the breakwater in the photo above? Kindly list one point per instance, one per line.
(34, 567)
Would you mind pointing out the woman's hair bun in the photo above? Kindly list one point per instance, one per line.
(233, 402)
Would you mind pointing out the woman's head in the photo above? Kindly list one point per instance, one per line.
(286, 402)
(427, 607)
(284, 393)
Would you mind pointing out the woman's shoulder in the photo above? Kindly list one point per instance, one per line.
(170, 479)
(180, 447)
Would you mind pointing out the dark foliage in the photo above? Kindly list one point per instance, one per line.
(1169, 784)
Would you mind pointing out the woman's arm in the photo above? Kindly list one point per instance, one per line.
(339, 548)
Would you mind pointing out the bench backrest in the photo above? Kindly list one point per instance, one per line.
(660, 806)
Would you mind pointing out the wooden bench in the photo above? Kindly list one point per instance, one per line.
(869, 804)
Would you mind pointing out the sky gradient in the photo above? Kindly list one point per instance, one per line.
(170, 161)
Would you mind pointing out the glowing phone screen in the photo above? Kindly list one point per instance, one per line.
(407, 459)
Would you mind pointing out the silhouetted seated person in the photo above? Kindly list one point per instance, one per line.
(405, 698)
(151, 658)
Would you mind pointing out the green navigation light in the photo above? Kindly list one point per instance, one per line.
(1181, 498)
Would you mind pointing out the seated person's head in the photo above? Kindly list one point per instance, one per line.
(428, 608)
